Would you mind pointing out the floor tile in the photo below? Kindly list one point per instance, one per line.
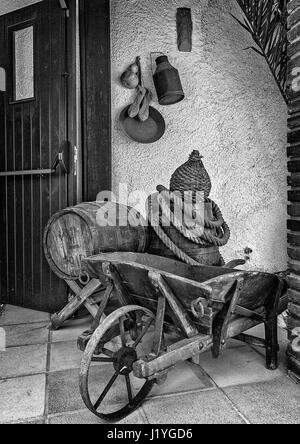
(40, 421)
(26, 334)
(232, 343)
(237, 366)
(71, 329)
(63, 389)
(86, 417)
(22, 398)
(272, 402)
(207, 407)
(259, 331)
(17, 315)
(64, 356)
(184, 377)
(64, 395)
(18, 361)
(282, 340)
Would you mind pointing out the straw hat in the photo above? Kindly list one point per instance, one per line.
(149, 131)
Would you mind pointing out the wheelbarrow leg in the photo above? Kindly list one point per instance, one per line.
(272, 346)
(81, 298)
(271, 329)
(84, 338)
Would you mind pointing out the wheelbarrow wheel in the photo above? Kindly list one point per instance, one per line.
(116, 358)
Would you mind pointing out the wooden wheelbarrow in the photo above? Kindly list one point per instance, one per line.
(169, 312)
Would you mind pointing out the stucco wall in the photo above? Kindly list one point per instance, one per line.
(233, 113)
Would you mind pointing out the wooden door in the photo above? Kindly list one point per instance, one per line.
(34, 128)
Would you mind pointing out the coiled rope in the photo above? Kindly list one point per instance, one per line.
(211, 232)
(205, 239)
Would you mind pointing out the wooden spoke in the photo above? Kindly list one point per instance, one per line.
(129, 390)
(97, 359)
(122, 358)
(122, 331)
(142, 334)
(107, 352)
(106, 390)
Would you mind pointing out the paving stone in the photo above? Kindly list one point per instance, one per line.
(22, 398)
(259, 331)
(205, 407)
(185, 377)
(282, 340)
(64, 356)
(86, 417)
(232, 343)
(22, 361)
(39, 421)
(71, 329)
(271, 402)
(17, 315)
(237, 366)
(26, 334)
(64, 393)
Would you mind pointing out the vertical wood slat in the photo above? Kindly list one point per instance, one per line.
(96, 80)
(3, 181)
(34, 133)
(293, 152)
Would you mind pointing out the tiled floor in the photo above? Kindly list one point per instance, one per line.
(39, 381)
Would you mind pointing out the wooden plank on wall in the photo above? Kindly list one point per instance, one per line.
(294, 195)
(294, 166)
(294, 239)
(294, 122)
(294, 210)
(294, 310)
(294, 180)
(293, 153)
(294, 105)
(293, 225)
(96, 86)
(294, 295)
(294, 136)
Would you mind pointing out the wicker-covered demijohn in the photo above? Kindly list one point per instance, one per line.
(191, 176)
(193, 243)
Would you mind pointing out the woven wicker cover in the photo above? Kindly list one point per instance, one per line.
(191, 176)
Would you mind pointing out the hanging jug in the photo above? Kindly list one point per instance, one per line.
(167, 82)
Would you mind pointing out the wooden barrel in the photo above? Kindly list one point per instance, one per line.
(88, 229)
(205, 256)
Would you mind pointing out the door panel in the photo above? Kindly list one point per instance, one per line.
(31, 134)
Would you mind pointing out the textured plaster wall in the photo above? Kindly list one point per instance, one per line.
(233, 113)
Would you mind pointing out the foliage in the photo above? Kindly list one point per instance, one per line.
(266, 21)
